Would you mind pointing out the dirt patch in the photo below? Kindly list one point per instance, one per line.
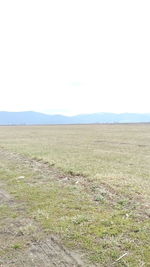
(47, 253)
(4, 196)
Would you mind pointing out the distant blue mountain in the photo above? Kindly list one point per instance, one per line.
(33, 118)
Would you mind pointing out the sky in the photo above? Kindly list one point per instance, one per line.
(75, 56)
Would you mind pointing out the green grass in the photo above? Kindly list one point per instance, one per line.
(106, 217)
(16, 246)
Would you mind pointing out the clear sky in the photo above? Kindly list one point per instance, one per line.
(75, 56)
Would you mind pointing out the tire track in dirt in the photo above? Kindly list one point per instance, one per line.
(47, 252)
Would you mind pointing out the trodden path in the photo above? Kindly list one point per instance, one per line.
(45, 251)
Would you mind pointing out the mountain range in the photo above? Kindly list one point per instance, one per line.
(34, 118)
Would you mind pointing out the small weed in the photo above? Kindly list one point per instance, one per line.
(17, 246)
(100, 198)
(123, 202)
(79, 219)
(52, 163)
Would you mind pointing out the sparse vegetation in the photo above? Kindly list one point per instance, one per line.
(93, 191)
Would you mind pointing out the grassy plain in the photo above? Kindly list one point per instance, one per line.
(104, 207)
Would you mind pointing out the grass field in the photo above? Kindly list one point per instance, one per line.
(100, 203)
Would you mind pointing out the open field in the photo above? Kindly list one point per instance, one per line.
(86, 187)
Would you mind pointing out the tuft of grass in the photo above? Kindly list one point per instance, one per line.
(17, 246)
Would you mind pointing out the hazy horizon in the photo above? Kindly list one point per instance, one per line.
(74, 114)
(75, 57)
